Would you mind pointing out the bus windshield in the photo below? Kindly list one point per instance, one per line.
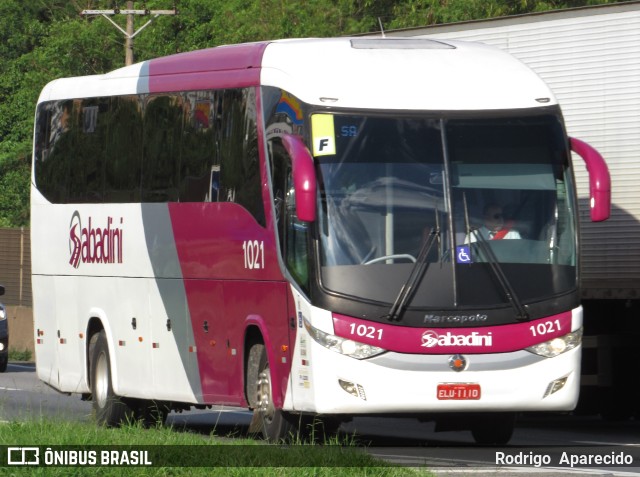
(494, 191)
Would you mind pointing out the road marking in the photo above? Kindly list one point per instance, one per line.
(463, 471)
(26, 366)
(598, 443)
(9, 389)
(461, 467)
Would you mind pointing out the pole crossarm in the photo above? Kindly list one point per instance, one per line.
(130, 35)
(129, 12)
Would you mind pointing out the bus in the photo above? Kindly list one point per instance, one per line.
(297, 227)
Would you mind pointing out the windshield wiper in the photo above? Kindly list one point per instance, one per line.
(521, 313)
(415, 277)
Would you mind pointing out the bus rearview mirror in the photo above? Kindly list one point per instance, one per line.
(304, 177)
(599, 179)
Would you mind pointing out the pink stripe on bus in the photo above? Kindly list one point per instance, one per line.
(234, 66)
(485, 339)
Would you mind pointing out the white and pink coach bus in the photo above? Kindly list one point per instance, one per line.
(303, 228)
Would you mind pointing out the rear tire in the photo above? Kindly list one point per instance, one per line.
(275, 425)
(109, 410)
(493, 429)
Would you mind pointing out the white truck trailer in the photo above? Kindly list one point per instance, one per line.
(590, 57)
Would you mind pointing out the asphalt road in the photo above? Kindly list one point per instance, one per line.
(400, 440)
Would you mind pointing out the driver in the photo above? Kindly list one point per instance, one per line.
(494, 226)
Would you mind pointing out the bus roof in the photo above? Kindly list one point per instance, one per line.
(368, 73)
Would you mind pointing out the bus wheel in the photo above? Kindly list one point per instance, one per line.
(493, 429)
(274, 424)
(108, 408)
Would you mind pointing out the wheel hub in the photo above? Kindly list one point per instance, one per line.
(265, 402)
(102, 381)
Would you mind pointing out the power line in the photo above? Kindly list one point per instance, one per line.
(129, 33)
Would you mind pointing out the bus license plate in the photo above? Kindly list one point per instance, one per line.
(459, 392)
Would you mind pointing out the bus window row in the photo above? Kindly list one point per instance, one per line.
(197, 146)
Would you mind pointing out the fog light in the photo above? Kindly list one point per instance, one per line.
(355, 390)
(555, 386)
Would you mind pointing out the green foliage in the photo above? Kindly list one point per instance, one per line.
(415, 13)
(41, 40)
(17, 355)
(15, 173)
(207, 23)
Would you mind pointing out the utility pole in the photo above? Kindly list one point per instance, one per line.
(129, 33)
(128, 44)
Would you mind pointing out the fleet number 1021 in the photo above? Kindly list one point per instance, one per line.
(253, 254)
(366, 331)
(545, 328)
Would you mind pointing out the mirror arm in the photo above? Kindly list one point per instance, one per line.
(599, 179)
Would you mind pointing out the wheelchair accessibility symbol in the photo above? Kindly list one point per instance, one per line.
(463, 254)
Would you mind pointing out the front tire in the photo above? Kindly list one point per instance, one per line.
(275, 425)
(109, 410)
(493, 429)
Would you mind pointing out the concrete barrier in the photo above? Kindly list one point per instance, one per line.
(20, 320)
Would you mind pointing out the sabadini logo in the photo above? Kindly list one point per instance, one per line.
(94, 245)
(431, 338)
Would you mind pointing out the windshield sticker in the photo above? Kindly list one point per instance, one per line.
(324, 136)
(463, 254)
(290, 107)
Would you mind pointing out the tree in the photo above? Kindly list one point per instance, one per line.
(41, 40)
(15, 172)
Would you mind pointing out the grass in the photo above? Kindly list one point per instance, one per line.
(171, 451)
(17, 355)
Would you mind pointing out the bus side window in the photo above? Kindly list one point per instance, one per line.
(162, 131)
(123, 153)
(292, 233)
(52, 136)
(70, 149)
(197, 152)
(239, 159)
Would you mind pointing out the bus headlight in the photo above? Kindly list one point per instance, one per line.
(3, 312)
(557, 346)
(340, 345)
